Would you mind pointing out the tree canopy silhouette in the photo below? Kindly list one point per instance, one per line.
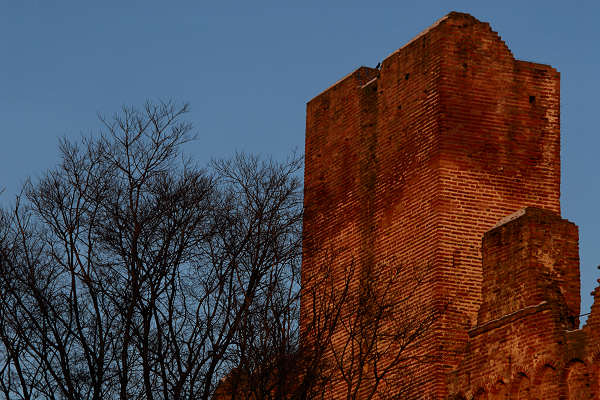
(127, 272)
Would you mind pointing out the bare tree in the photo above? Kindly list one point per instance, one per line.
(358, 336)
(127, 272)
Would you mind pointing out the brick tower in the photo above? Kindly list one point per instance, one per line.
(412, 163)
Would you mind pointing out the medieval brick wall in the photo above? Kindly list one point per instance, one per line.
(526, 339)
(527, 343)
(411, 164)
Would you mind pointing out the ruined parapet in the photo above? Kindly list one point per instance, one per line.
(526, 343)
(529, 261)
(593, 321)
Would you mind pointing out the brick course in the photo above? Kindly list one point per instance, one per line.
(411, 164)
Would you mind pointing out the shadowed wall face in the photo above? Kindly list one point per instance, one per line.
(410, 165)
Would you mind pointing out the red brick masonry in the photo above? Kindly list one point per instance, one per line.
(413, 163)
(526, 343)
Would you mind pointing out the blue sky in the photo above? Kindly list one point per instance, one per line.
(248, 68)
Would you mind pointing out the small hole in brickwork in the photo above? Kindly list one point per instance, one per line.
(532, 99)
(406, 76)
(465, 65)
(399, 107)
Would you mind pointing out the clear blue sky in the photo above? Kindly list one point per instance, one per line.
(249, 67)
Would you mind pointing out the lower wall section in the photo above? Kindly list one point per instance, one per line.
(526, 344)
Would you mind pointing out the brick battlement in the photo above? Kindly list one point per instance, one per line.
(412, 164)
(526, 344)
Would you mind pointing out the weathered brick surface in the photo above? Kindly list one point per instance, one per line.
(526, 340)
(412, 163)
(530, 260)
